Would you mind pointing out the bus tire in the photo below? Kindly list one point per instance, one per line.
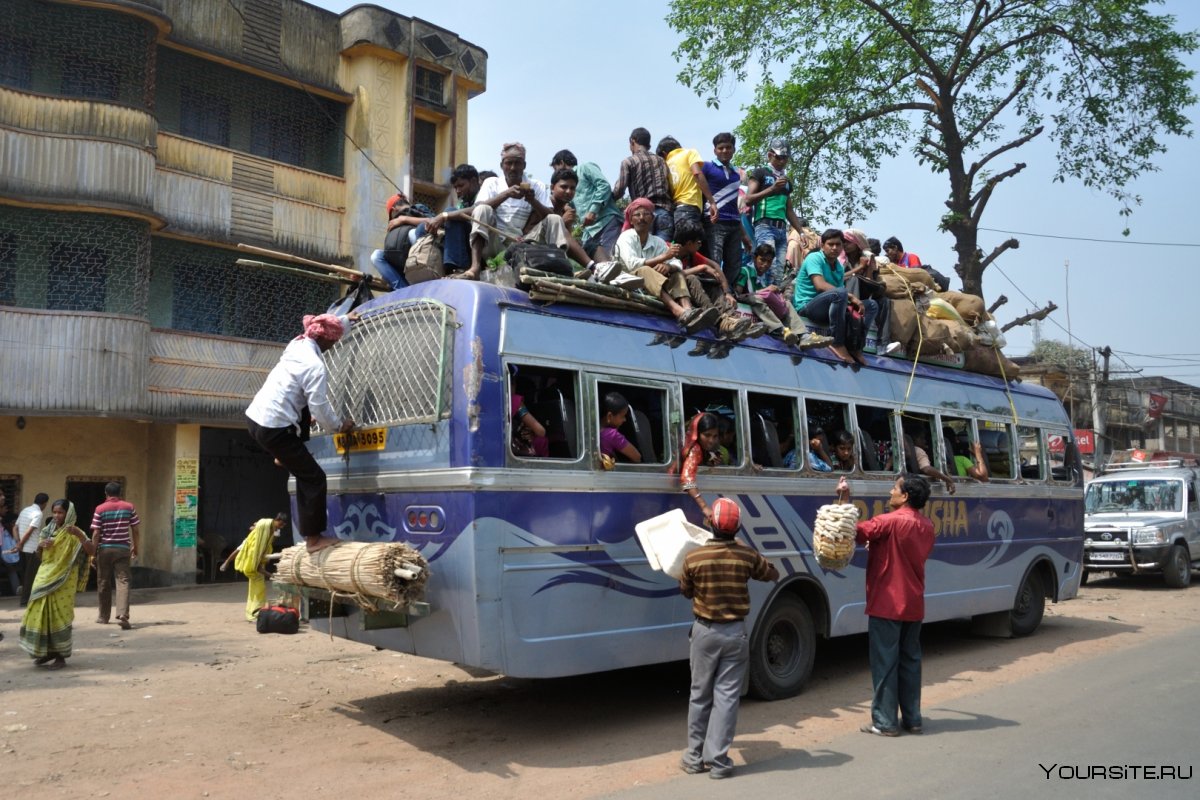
(782, 649)
(1030, 605)
(1178, 570)
(1083, 579)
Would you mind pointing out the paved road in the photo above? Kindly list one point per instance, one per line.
(1126, 710)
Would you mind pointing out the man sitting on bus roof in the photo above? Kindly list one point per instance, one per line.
(510, 209)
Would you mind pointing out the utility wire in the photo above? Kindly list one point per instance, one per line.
(1089, 239)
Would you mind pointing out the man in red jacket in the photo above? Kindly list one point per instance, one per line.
(898, 543)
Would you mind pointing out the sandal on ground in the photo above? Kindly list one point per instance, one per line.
(58, 663)
(42, 661)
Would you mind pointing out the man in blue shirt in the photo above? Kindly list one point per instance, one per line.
(821, 295)
(725, 234)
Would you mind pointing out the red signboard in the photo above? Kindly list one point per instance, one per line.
(1157, 405)
(1085, 441)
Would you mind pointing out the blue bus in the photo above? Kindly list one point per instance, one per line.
(536, 570)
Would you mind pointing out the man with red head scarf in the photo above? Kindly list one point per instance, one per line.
(279, 416)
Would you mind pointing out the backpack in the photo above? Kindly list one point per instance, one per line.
(544, 257)
(396, 246)
(424, 260)
(277, 619)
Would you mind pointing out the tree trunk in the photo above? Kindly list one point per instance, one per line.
(966, 244)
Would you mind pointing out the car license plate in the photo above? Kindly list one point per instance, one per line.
(1106, 556)
(366, 439)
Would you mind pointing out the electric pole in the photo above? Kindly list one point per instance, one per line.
(1098, 411)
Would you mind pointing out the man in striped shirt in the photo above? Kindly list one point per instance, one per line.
(115, 535)
(715, 578)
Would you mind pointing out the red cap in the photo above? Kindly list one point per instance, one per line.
(393, 200)
(726, 516)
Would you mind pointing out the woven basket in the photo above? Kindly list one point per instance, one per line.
(831, 553)
(833, 535)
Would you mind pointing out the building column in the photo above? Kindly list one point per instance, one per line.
(173, 466)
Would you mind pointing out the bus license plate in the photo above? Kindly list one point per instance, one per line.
(1107, 556)
(367, 439)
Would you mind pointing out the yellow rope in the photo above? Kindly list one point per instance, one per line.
(920, 334)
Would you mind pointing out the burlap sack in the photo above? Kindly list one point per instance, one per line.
(936, 336)
(902, 322)
(962, 338)
(968, 306)
(899, 282)
(987, 361)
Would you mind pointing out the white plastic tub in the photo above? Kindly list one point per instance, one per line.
(668, 538)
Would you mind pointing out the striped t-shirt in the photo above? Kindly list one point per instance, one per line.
(715, 577)
(114, 518)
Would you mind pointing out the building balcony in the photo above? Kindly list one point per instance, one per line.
(78, 153)
(213, 193)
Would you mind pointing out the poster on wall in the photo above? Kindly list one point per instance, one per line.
(187, 492)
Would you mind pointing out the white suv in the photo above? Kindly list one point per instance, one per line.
(1143, 518)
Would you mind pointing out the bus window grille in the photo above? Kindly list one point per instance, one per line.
(393, 366)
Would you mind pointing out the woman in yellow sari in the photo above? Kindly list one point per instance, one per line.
(250, 559)
(46, 626)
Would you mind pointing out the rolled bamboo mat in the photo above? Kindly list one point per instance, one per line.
(362, 572)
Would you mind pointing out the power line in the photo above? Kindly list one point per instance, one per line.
(1089, 239)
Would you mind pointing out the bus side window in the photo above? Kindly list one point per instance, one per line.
(958, 444)
(772, 420)
(826, 421)
(919, 443)
(642, 424)
(875, 438)
(996, 440)
(1033, 462)
(722, 403)
(544, 409)
(1060, 451)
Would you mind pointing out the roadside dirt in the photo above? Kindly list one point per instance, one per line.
(193, 703)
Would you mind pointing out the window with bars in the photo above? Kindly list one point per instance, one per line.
(84, 76)
(424, 150)
(16, 62)
(430, 87)
(78, 277)
(8, 269)
(204, 116)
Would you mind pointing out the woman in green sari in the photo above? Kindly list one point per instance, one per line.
(46, 626)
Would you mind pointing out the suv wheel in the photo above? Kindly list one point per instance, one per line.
(1178, 569)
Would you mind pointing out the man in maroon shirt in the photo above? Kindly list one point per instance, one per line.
(898, 543)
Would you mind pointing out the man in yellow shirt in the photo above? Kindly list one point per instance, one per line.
(689, 187)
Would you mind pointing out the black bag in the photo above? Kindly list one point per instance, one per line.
(396, 246)
(277, 619)
(545, 257)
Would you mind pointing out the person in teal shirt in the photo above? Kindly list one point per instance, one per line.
(820, 294)
(598, 214)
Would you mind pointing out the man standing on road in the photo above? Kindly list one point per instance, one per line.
(898, 543)
(715, 578)
(28, 523)
(115, 537)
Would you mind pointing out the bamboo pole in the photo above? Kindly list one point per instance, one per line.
(246, 262)
(375, 283)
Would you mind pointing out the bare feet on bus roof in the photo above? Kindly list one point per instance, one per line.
(841, 352)
(314, 544)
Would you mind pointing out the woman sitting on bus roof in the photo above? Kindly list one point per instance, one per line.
(641, 253)
(821, 295)
(700, 449)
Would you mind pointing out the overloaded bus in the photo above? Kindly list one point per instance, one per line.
(535, 568)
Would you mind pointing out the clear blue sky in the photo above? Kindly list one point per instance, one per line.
(581, 76)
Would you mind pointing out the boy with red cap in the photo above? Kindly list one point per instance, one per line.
(715, 578)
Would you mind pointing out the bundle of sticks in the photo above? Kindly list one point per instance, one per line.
(365, 573)
(547, 287)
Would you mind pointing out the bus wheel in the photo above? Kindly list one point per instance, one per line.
(1083, 579)
(1027, 611)
(782, 649)
(1178, 569)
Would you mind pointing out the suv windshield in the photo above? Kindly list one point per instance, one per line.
(1133, 495)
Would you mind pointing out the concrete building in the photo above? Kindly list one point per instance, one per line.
(140, 142)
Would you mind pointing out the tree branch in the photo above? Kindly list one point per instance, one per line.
(1010, 244)
(1004, 148)
(1001, 300)
(1041, 313)
(980, 200)
(905, 33)
(983, 123)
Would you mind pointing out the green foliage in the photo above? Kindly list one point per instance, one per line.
(957, 83)
(1059, 354)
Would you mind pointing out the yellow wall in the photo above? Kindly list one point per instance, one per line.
(141, 455)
